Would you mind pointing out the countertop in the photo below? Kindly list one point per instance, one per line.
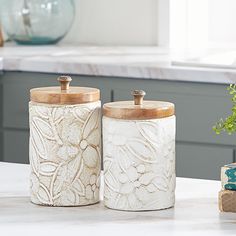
(132, 62)
(195, 213)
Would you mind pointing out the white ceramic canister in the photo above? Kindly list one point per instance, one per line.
(139, 154)
(65, 138)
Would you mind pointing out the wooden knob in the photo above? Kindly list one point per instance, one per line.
(138, 96)
(65, 82)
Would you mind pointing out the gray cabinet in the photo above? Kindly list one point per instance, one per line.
(16, 146)
(198, 106)
(201, 161)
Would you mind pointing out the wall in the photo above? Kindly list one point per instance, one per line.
(222, 20)
(115, 22)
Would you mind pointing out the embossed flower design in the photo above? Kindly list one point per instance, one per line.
(90, 140)
(92, 189)
(138, 167)
(133, 185)
(65, 143)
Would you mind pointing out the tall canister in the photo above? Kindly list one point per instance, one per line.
(139, 154)
(65, 138)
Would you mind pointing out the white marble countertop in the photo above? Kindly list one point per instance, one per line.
(132, 62)
(195, 213)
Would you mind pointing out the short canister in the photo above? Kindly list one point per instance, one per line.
(139, 154)
(65, 138)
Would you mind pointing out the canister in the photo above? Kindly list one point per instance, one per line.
(139, 154)
(65, 138)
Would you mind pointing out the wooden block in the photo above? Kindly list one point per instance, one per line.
(228, 177)
(227, 201)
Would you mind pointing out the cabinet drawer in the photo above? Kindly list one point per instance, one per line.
(203, 162)
(16, 146)
(196, 113)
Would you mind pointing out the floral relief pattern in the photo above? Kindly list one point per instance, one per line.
(65, 153)
(139, 163)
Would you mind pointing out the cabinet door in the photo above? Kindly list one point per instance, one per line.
(203, 162)
(16, 146)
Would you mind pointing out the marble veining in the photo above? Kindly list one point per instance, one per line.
(130, 62)
(65, 154)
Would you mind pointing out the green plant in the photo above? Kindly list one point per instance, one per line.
(229, 123)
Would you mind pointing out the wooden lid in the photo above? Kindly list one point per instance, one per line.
(138, 109)
(64, 94)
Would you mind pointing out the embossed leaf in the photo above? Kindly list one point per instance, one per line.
(123, 159)
(42, 111)
(91, 123)
(43, 195)
(151, 188)
(81, 113)
(68, 197)
(149, 131)
(79, 187)
(57, 114)
(107, 162)
(75, 167)
(48, 168)
(91, 157)
(147, 178)
(111, 181)
(44, 128)
(38, 143)
(144, 151)
(74, 133)
(94, 137)
(134, 203)
(122, 202)
(34, 158)
(160, 183)
(60, 176)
